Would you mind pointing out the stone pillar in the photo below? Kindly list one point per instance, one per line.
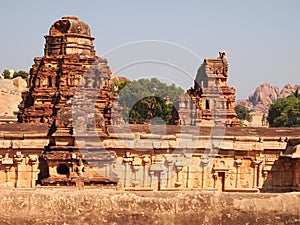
(178, 165)
(8, 163)
(187, 176)
(238, 163)
(255, 165)
(260, 179)
(32, 162)
(7, 172)
(136, 165)
(215, 176)
(204, 163)
(127, 161)
(169, 163)
(162, 181)
(147, 178)
(151, 178)
(18, 158)
(135, 169)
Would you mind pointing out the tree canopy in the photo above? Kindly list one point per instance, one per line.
(22, 74)
(242, 112)
(6, 74)
(285, 112)
(145, 99)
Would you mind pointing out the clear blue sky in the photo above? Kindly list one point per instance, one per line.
(261, 38)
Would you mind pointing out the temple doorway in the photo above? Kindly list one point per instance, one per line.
(220, 182)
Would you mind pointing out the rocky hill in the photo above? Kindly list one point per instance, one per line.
(264, 95)
(10, 95)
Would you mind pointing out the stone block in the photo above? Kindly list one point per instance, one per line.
(5, 144)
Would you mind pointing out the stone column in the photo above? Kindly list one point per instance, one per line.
(136, 165)
(169, 163)
(259, 179)
(151, 178)
(18, 158)
(146, 180)
(187, 176)
(238, 163)
(215, 179)
(135, 169)
(161, 176)
(255, 165)
(204, 163)
(178, 166)
(127, 161)
(32, 162)
(178, 182)
(7, 171)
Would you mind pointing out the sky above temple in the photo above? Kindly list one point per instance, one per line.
(167, 39)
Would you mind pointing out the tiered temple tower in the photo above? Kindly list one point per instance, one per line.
(54, 78)
(70, 89)
(211, 100)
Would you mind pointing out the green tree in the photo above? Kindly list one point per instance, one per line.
(150, 107)
(242, 112)
(22, 74)
(285, 112)
(118, 85)
(6, 74)
(145, 99)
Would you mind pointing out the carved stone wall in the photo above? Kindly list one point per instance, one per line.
(20, 148)
(145, 161)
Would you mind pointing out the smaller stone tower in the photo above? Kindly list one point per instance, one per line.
(213, 101)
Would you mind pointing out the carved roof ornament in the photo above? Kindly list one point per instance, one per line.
(222, 55)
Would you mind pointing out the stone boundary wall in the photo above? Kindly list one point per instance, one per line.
(98, 206)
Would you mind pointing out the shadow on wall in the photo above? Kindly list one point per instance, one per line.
(284, 175)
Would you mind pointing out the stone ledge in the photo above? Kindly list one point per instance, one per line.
(98, 206)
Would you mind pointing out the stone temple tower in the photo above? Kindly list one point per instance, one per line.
(68, 56)
(211, 98)
(70, 90)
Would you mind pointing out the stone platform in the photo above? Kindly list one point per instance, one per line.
(102, 206)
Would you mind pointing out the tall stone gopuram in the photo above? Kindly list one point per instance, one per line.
(69, 56)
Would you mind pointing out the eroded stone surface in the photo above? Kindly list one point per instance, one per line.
(211, 101)
(91, 206)
(69, 62)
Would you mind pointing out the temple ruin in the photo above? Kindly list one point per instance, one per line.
(211, 101)
(68, 134)
(54, 78)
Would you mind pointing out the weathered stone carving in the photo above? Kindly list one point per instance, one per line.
(54, 78)
(210, 102)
